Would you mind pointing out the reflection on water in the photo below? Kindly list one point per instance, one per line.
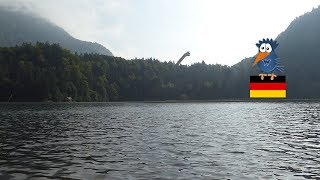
(242, 140)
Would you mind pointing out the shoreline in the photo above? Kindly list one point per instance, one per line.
(169, 101)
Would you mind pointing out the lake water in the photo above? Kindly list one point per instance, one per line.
(217, 140)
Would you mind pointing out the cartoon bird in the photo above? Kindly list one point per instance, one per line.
(266, 59)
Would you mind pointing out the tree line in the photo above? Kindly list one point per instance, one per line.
(47, 72)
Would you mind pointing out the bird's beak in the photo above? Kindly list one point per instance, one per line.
(260, 56)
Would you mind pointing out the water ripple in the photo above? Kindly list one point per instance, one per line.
(240, 140)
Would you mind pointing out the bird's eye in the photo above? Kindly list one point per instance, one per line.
(268, 47)
(262, 47)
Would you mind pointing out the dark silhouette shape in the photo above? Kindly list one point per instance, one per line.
(182, 57)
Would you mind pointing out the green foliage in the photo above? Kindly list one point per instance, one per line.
(43, 71)
(46, 71)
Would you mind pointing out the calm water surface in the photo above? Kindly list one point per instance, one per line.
(241, 140)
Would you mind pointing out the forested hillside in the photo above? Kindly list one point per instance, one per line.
(44, 72)
(299, 52)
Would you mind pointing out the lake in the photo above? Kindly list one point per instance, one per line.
(213, 140)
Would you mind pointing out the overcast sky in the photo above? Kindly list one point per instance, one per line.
(221, 32)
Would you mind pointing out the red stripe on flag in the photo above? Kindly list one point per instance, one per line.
(267, 86)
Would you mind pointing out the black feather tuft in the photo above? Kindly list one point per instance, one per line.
(274, 44)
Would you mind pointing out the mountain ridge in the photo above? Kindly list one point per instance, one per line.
(91, 77)
(18, 27)
(299, 53)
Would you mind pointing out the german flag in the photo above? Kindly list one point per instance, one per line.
(268, 88)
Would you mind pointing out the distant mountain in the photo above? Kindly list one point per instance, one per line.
(17, 27)
(299, 50)
(49, 72)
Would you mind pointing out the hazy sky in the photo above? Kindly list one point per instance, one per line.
(222, 32)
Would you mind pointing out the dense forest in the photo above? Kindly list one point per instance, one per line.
(47, 72)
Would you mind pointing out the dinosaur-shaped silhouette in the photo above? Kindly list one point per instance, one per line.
(182, 57)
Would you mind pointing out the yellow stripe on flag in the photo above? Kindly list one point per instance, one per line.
(267, 93)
